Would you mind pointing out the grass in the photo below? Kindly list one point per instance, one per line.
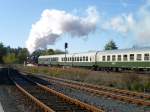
(132, 81)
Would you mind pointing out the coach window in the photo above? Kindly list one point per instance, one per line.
(74, 58)
(113, 58)
(131, 57)
(108, 58)
(83, 58)
(77, 58)
(119, 57)
(86, 58)
(103, 58)
(80, 58)
(139, 57)
(70, 59)
(146, 56)
(125, 57)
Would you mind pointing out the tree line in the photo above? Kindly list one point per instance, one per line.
(19, 55)
(10, 55)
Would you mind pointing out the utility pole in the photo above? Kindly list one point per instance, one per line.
(66, 46)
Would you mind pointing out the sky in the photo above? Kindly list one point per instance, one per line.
(87, 25)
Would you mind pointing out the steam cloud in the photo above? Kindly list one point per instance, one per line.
(54, 23)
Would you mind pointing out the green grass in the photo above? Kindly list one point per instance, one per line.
(128, 81)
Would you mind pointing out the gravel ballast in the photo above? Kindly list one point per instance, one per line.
(108, 104)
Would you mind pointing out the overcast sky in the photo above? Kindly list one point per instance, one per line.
(85, 24)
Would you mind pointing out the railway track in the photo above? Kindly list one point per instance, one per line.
(118, 94)
(46, 99)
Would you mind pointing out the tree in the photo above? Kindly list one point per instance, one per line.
(49, 52)
(59, 52)
(22, 55)
(10, 58)
(38, 52)
(111, 45)
(18, 55)
(2, 52)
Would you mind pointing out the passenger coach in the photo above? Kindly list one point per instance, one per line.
(107, 60)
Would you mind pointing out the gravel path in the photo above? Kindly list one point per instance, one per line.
(7, 101)
(12, 100)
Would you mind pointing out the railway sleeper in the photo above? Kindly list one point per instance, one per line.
(106, 94)
(146, 96)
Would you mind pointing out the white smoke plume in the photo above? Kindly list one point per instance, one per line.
(54, 23)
